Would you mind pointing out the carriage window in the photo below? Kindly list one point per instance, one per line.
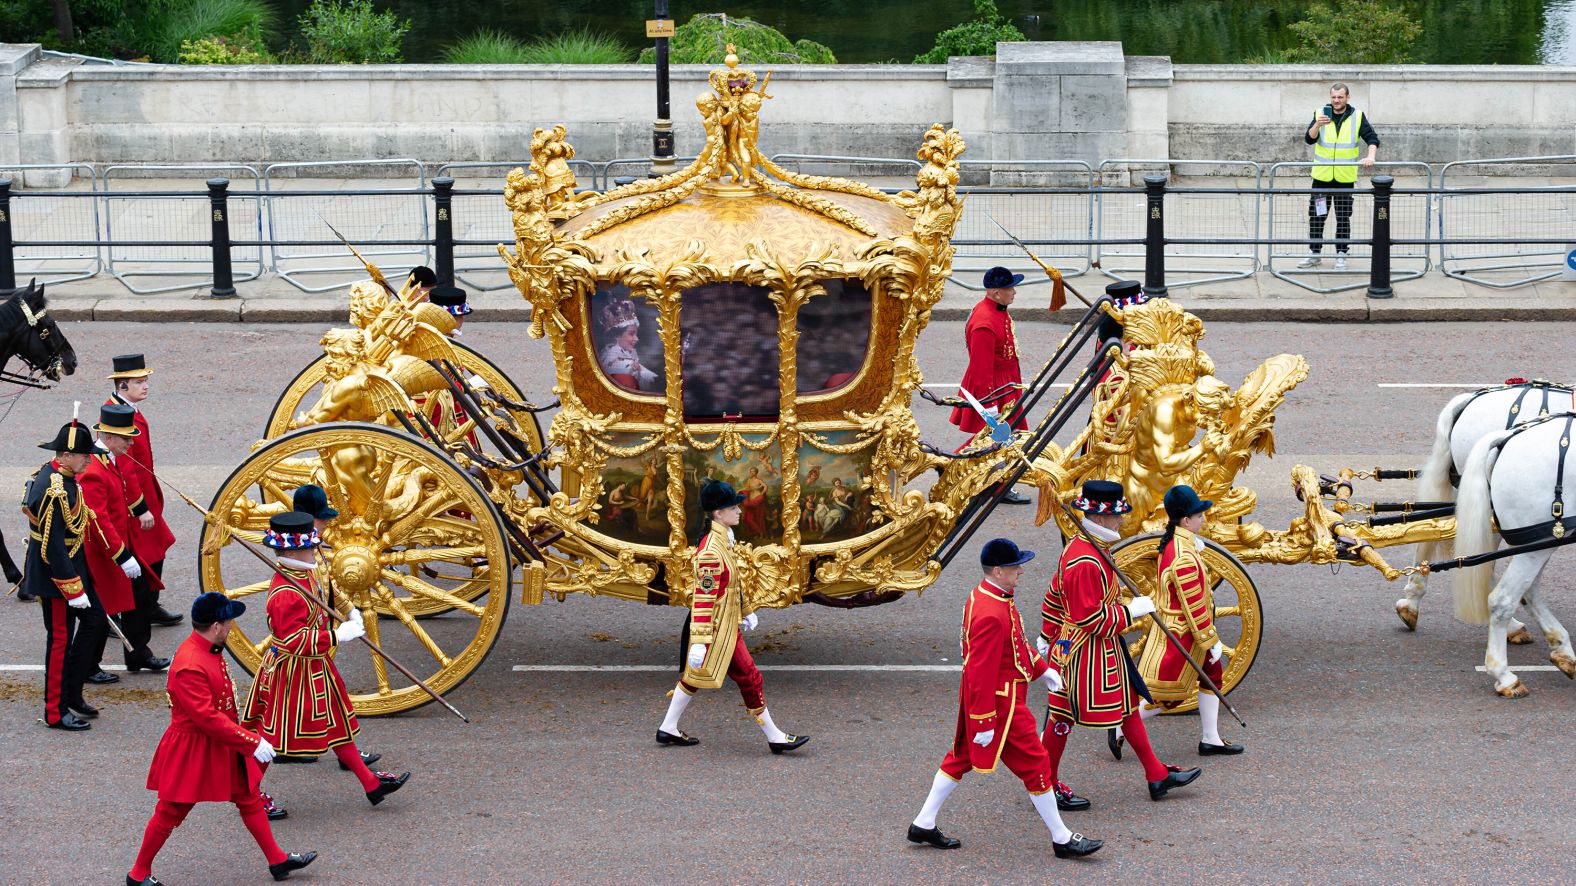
(834, 333)
(624, 336)
(731, 356)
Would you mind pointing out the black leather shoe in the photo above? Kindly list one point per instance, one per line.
(13, 578)
(103, 677)
(1012, 497)
(167, 619)
(1219, 750)
(388, 784)
(154, 664)
(1077, 847)
(25, 597)
(932, 837)
(151, 881)
(295, 861)
(273, 810)
(1176, 778)
(794, 742)
(1114, 742)
(366, 760)
(70, 723)
(294, 758)
(1067, 801)
(83, 710)
(683, 739)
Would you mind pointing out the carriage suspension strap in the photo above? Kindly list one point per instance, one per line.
(1502, 553)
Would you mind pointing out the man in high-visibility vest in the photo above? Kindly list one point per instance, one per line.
(1334, 134)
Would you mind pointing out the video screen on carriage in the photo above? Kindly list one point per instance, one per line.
(834, 334)
(730, 352)
(625, 340)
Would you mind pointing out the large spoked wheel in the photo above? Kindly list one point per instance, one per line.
(1238, 616)
(397, 498)
(307, 386)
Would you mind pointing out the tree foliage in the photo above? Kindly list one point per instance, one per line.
(224, 51)
(1355, 32)
(351, 32)
(977, 36)
(704, 39)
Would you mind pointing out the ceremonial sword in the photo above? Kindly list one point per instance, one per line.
(1154, 617)
(1055, 275)
(208, 516)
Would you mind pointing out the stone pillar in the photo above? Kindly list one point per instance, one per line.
(13, 58)
(1059, 101)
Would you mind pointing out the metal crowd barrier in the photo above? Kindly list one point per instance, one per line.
(1462, 210)
(479, 216)
(1217, 216)
(69, 217)
(388, 214)
(1288, 207)
(136, 213)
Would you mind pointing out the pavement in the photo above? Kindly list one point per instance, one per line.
(1374, 754)
(1236, 286)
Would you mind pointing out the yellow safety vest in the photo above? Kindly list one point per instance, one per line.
(1338, 144)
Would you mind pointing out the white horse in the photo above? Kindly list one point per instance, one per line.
(1464, 421)
(1524, 479)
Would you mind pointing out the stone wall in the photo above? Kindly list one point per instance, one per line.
(1034, 101)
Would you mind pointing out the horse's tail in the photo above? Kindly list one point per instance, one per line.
(1475, 530)
(1433, 482)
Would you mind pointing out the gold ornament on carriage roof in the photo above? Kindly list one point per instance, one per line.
(734, 320)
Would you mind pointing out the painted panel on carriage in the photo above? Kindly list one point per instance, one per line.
(833, 506)
(625, 340)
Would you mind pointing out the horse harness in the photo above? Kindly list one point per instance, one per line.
(56, 347)
(1543, 386)
(1555, 525)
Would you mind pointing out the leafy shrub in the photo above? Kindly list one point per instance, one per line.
(581, 47)
(224, 51)
(976, 37)
(173, 24)
(486, 47)
(704, 39)
(351, 32)
(1355, 32)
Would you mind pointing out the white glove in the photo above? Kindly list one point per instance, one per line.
(1043, 647)
(983, 739)
(1053, 679)
(1216, 651)
(1139, 607)
(264, 752)
(351, 628)
(80, 601)
(697, 654)
(132, 568)
(477, 382)
(749, 622)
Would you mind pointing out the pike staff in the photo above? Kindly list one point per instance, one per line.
(1058, 297)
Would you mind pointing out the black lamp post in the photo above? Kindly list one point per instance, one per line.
(661, 130)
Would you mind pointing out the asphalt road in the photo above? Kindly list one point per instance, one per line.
(1374, 754)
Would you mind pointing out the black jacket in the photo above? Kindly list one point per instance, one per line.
(56, 565)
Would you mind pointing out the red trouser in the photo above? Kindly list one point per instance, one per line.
(1055, 739)
(168, 815)
(742, 670)
(1021, 752)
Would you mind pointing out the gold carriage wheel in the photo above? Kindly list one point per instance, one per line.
(392, 491)
(1238, 615)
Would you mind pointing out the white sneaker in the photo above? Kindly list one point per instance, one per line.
(1312, 261)
(1340, 262)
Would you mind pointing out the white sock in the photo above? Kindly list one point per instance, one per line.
(767, 726)
(1209, 718)
(940, 789)
(1045, 804)
(681, 700)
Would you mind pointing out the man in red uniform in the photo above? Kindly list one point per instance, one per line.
(122, 577)
(205, 756)
(993, 359)
(298, 701)
(1081, 628)
(994, 722)
(151, 538)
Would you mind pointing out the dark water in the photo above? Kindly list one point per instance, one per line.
(1190, 31)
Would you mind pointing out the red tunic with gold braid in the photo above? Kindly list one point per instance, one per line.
(205, 756)
(1097, 676)
(298, 701)
(998, 665)
(150, 544)
(108, 541)
(1188, 607)
(993, 362)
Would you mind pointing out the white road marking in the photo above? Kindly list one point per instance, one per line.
(1431, 385)
(1482, 670)
(39, 667)
(627, 669)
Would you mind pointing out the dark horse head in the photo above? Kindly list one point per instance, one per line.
(27, 331)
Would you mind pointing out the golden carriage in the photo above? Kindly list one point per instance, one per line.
(732, 320)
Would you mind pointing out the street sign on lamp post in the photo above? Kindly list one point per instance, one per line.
(661, 28)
